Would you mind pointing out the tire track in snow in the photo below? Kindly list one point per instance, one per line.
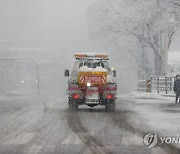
(90, 141)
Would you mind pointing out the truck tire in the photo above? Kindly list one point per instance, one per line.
(73, 105)
(110, 106)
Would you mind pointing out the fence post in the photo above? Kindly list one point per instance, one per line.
(166, 84)
(170, 85)
(158, 84)
(151, 84)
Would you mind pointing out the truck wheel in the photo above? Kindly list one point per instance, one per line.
(110, 106)
(73, 106)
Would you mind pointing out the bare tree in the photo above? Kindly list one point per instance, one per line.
(143, 20)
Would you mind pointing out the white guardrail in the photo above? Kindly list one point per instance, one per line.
(157, 83)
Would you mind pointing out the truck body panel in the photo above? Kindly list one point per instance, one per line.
(92, 82)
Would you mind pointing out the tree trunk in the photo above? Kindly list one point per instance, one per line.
(157, 65)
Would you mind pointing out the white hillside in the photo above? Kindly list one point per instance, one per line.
(174, 63)
(174, 58)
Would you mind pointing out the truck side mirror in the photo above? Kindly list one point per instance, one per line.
(66, 73)
(114, 73)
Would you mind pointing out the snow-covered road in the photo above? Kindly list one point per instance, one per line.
(45, 126)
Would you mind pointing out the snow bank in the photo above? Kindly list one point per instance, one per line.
(174, 57)
(152, 95)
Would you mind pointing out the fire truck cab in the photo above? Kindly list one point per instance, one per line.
(91, 82)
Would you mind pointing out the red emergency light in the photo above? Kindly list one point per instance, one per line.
(75, 96)
(109, 96)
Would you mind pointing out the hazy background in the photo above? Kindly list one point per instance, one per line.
(51, 31)
(57, 26)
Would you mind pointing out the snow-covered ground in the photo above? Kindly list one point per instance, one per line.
(153, 95)
(160, 114)
(45, 125)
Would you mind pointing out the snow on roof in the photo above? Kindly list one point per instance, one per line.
(87, 69)
(91, 55)
(100, 69)
(174, 58)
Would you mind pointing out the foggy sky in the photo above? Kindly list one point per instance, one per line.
(59, 26)
(50, 30)
(55, 25)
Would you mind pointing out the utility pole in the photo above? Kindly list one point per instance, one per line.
(158, 4)
(163, 44)
(164, 50)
